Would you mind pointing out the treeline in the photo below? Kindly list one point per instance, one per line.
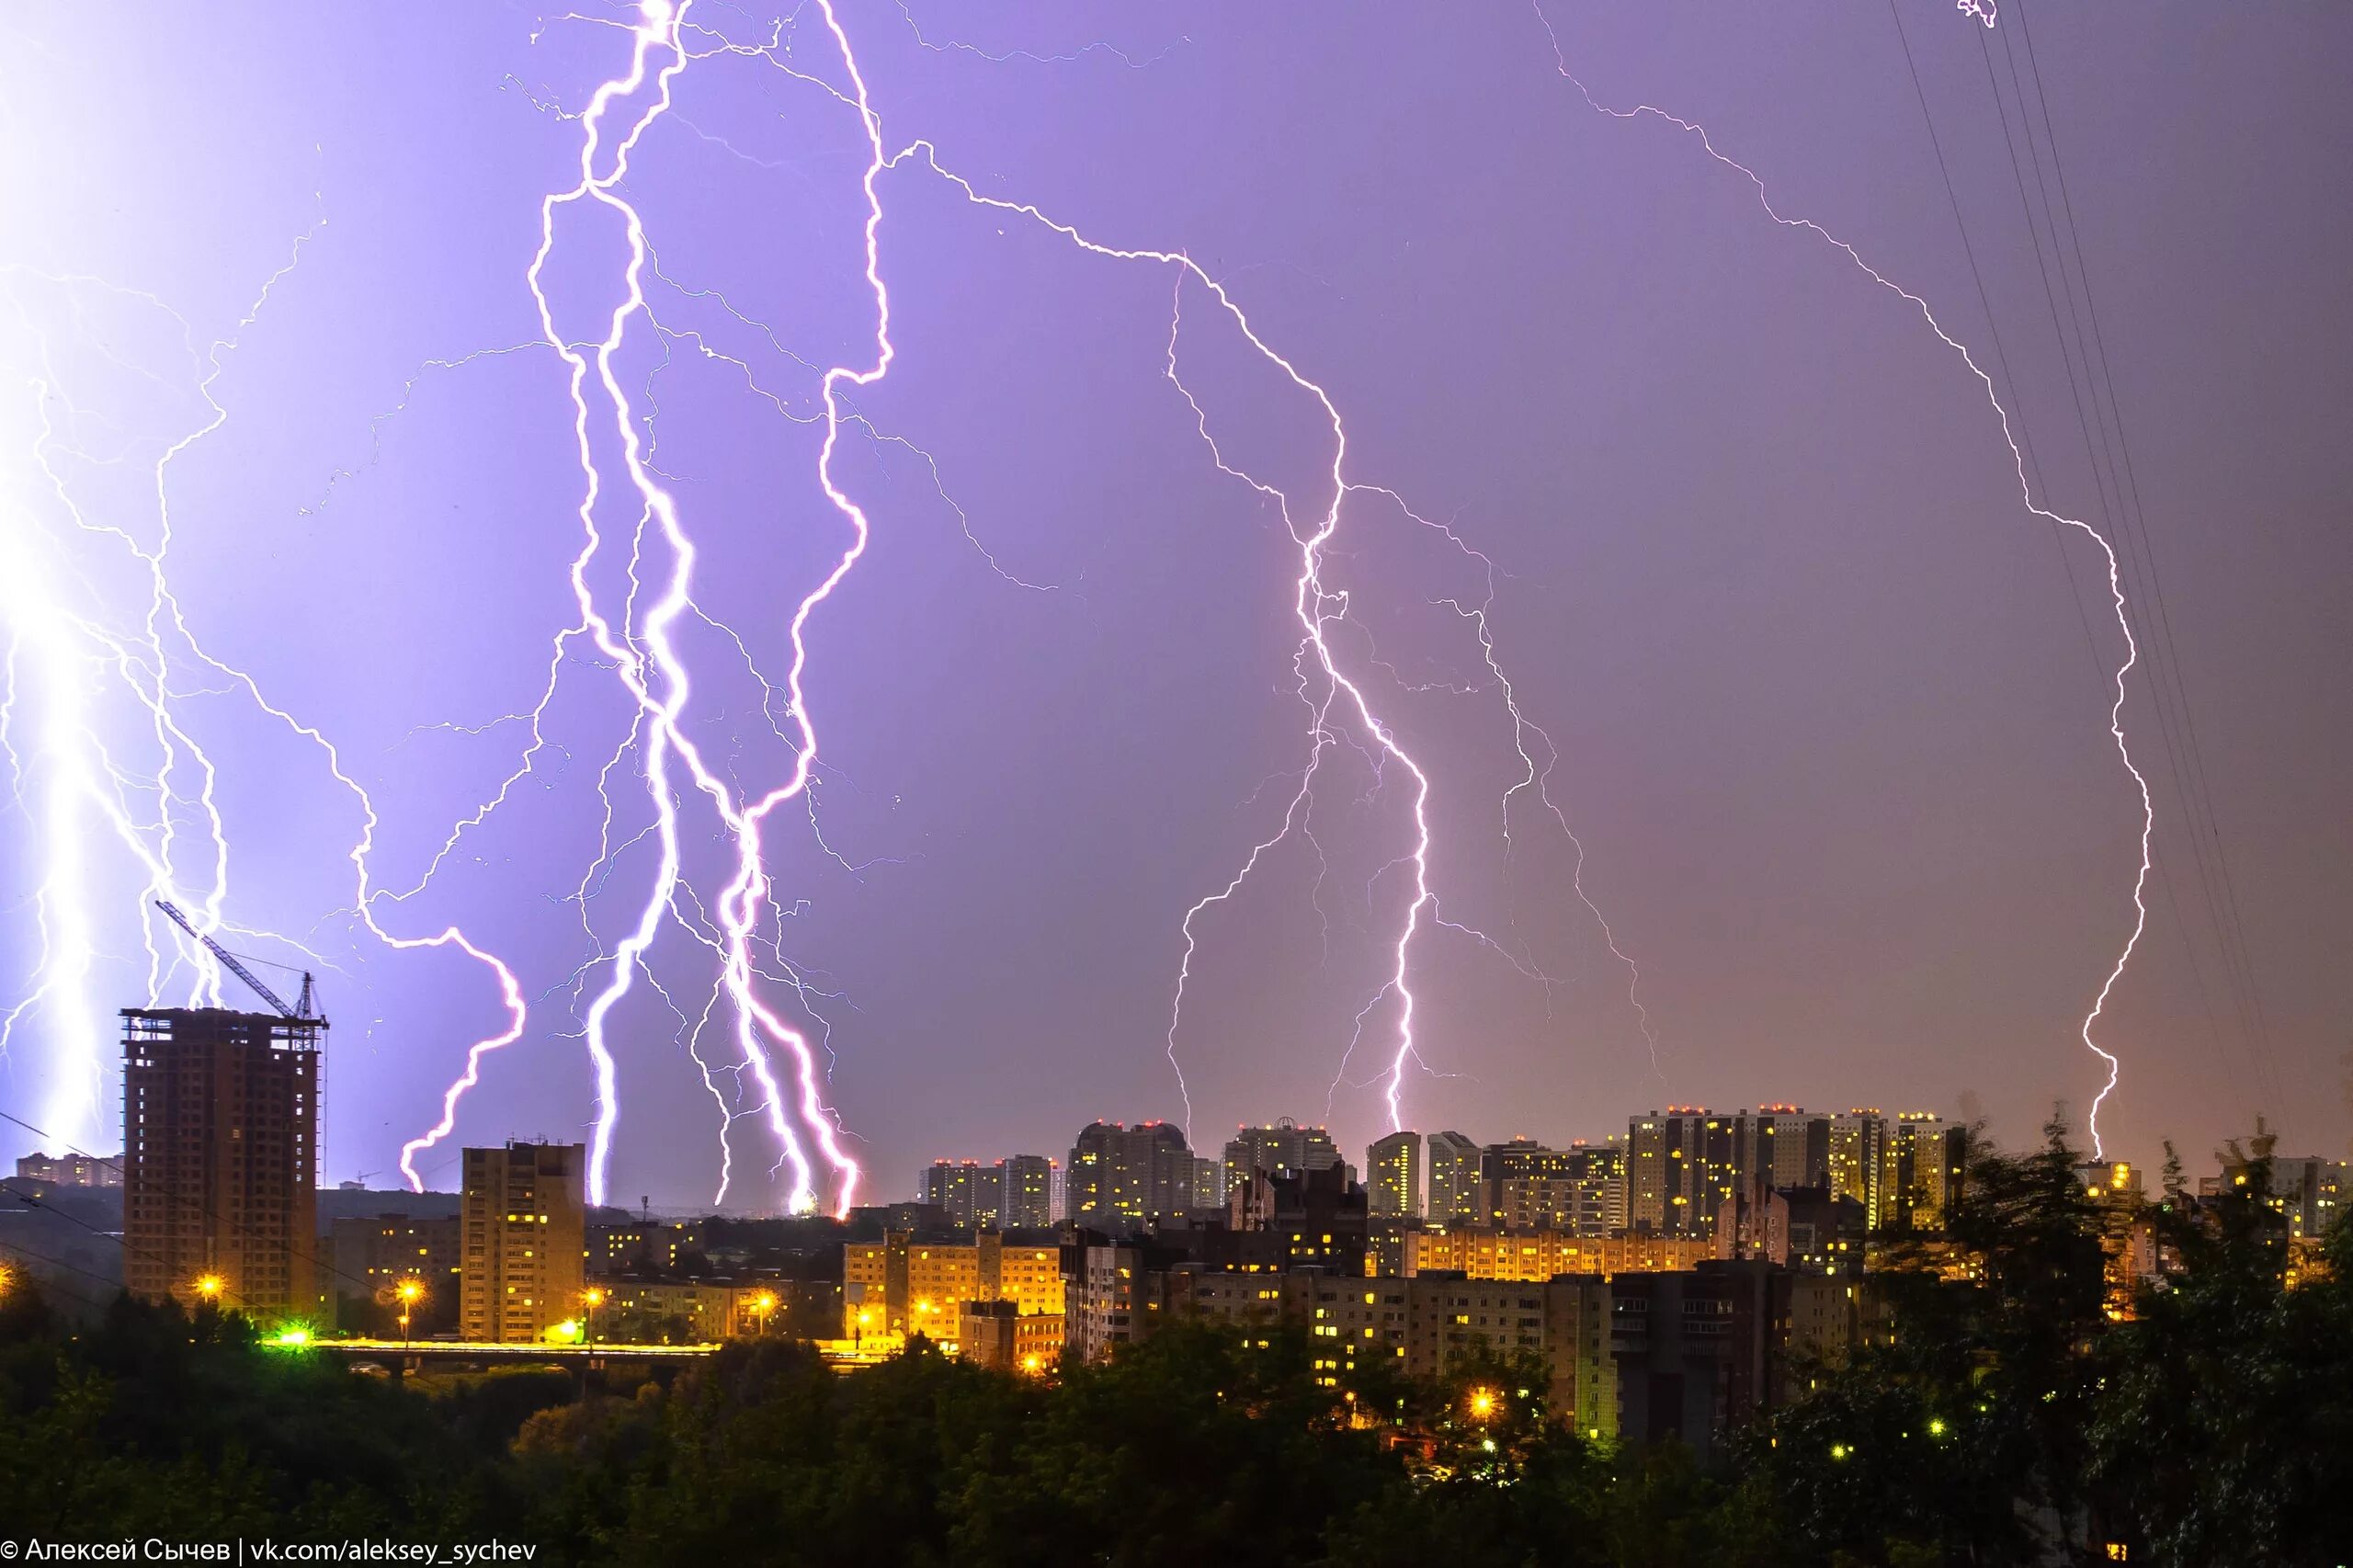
(2011, 1420)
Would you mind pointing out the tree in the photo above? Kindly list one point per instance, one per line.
(2224, 1429)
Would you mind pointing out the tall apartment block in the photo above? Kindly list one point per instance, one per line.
(524, 1235)
(1684, 1165)
(1012, 1194)
(1124, 1177)
(969, 1193)
(1864, 1165)
(1931, 1162)
(1283, 1149)
(219, 1159)
(1030, 1191)
(1454, 1180)
(1392, 1171)
(1580, 1191)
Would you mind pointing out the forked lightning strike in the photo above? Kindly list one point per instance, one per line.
(1984, 11)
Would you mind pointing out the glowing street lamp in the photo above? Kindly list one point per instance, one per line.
(590, 1300)
(410, 1292)
(210, 1287)
(761, 1306)
(1483, 1403)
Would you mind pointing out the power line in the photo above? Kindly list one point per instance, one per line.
(2074, 589)
(2111, 522)
(2206, 834)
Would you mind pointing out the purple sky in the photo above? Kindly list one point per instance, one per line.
(1827, 724)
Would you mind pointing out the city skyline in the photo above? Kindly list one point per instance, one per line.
(1682, 631)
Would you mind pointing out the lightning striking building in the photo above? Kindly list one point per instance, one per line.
(220, 1158)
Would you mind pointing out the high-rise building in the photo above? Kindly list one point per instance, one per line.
(1684, 1163)
(1863, 1165)
(1580, 1191)
(1029, 1181)
(1209, 1184)
(1283, 1149)
(1781, 1146)
(1124, 1177)
(1454, 1180)
(1011, 1194)
(1931, 1157)
(524, 1233)
(220, 1134)
(1392, 1171)
(971, 1194)
(1680, 1165)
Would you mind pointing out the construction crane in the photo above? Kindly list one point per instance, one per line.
(239, 970)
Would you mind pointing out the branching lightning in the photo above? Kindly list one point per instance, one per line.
(632, 582)
(1324, 682)
(1984, 11)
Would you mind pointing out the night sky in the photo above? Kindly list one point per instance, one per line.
(1829, 702)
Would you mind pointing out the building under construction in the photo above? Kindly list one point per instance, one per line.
(220, 1158)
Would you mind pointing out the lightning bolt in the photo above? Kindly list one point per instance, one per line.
(88, 781)
(1984, 11)
(641, 647)
(1324, 681)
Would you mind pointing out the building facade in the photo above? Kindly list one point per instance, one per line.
(970, 1194)
(523, 1216)
(1425, 1327)
(1284, 1148)
(1581, 1190)
(1537, 1256)
(1932, 1161)
(1864, 1166)
(995, 1334)
(70, 1170)
(1453, 1180)
(1124, 1177)
(1392, 1174)
(371, 1255)
(899, 1285)
(1030, 1182)
(220, 1162)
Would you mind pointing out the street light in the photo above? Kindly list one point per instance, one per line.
(210, 1286)
(1483, 1403)
(760, 1306)
(410, 1292)
(591, 1299)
